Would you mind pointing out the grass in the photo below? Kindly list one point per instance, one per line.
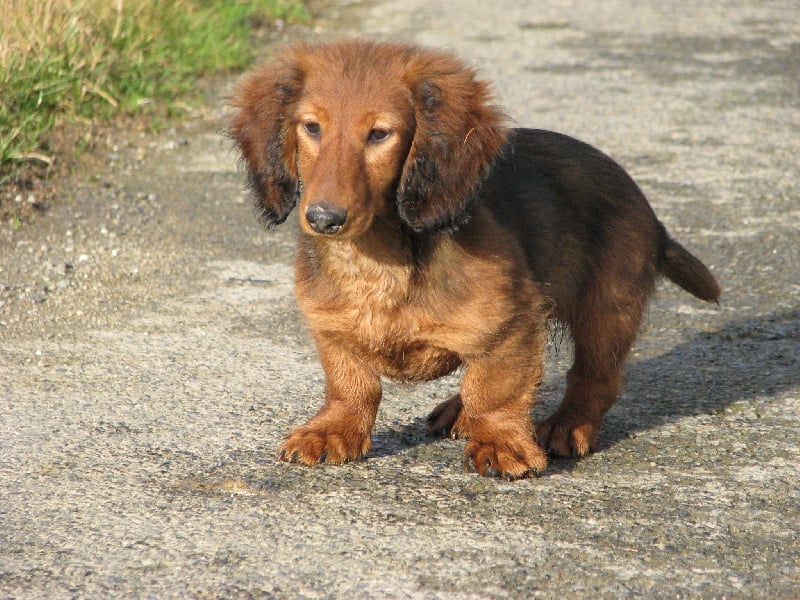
(80, 61)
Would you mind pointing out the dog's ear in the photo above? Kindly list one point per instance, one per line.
(458, 134)
(262, 129)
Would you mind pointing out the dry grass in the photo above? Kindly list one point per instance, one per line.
(32, 27)
(83, 60)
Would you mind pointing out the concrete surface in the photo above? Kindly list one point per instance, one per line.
(151, 357)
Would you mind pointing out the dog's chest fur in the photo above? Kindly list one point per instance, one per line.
(408, 321)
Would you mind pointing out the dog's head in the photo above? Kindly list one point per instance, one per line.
(354, 130)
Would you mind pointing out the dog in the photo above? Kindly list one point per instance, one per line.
(435, 238)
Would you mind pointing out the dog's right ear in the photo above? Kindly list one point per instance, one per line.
(262, 130)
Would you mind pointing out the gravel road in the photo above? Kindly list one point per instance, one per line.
(152, 357)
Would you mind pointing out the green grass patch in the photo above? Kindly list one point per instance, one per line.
(88, 60)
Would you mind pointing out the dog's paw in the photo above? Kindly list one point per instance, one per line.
(511, 459)
(448, 420)
(311, 445)
(565, 436)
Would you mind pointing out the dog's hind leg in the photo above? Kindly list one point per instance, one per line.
(603, 336)
(446, 419)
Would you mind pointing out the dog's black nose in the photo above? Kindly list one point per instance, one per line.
(324, 218)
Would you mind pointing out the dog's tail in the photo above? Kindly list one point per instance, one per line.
(683, 268)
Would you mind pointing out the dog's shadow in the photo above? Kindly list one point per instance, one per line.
(746, 359)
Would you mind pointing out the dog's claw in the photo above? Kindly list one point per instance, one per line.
(529, 474)
(468, 463)
(289, 457)
(567, 436)
(312, 446)
(520, 460)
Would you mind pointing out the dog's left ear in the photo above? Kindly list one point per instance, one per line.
(459, 133)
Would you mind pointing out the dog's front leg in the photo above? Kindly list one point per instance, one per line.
(497, 394)
(340, 431)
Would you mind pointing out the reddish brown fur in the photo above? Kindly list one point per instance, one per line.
(433, 238)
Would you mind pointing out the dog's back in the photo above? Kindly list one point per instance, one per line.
(578, 215)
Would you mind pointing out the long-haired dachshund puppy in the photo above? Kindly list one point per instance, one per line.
(434, 238)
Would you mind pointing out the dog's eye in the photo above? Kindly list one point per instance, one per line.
(312, 128)
(377, 135)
